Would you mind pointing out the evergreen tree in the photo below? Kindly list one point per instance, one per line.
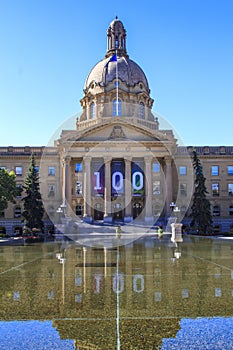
(33, 206)
(200, 210)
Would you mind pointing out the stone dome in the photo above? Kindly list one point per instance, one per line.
(105, 72)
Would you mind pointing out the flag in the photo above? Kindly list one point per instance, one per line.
(112, 59)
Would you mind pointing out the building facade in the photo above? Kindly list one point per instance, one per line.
(118, 165)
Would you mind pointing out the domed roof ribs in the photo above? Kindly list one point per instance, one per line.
(116, 39)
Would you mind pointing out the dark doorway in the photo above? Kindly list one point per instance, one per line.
(137, 209)
(98, 212)
(79, 210)
(118, 212)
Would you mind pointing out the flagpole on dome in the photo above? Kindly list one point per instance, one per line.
(117, 92)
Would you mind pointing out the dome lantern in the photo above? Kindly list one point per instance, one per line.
(116, 37)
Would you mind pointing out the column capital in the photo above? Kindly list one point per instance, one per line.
(148, 159)
(168, 159)
(128, 159)
(66, 159)
(87, 160)
(107, 159)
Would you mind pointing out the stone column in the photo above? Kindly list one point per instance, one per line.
(87, 190)
(66, 189)
(168, 172)
(128, 191)
(148, 174)
(107, 191)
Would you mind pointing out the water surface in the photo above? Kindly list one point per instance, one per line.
(149, 294)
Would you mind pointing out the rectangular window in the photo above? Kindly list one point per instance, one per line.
(51, 190)
(215, 189)
(183, 170)
(230, 189)
(183, 190)
(78, 187)
(214, 170)
(216, 210)
(231, 210)
(19, 190)
(156, 187)
(51, 171)
(230, 169)
(18, 171)
(37, 169)
(78, 167)
(156, 168)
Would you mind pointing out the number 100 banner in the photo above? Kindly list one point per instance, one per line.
(117, 179)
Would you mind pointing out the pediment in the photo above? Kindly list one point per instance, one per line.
(117, 131)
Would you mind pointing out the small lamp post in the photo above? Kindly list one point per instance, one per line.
(172, 206)
(59, 213)
(176, 211)
(63, 208)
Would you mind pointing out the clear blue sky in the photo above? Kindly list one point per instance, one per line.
(185, 48)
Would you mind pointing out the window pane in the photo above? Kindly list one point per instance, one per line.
(78, 167)
(231, 210)
(116, 108)
(183, 189)
(37, 169)
(17, 212)
(18, 170)
(51, 190)
(92, 110)
(230, 189)
(78, 188)
(19, 190)
(183, 170)
(51, 170)
(214, 170)
(156, 187)
(216, 210)
(156, 167)
(141, 110)
(230, 170)
(215, 189)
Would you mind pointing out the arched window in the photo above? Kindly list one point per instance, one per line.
(141, 114)
(93, 110)
(116, 108)
(116, 42)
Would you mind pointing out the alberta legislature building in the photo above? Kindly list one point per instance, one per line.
(119, 165)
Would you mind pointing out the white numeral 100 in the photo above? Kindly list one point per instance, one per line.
(137, 185)
(117, 180)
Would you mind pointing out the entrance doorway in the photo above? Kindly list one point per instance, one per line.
(137, 209)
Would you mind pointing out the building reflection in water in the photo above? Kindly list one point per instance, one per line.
(132, 296)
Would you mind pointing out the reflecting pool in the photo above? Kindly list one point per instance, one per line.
(149, 294)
